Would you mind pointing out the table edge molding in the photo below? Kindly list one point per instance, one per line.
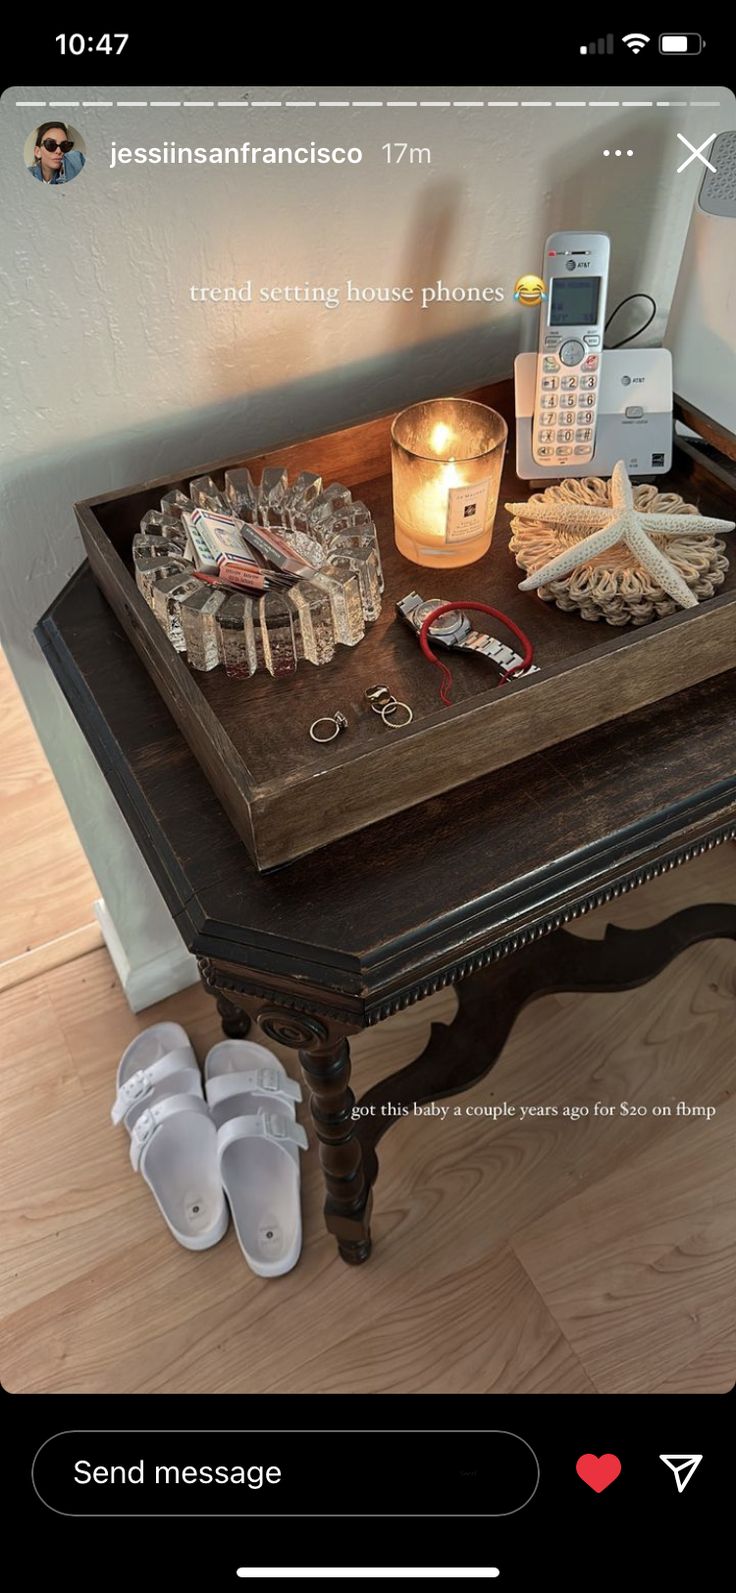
(364, 1013)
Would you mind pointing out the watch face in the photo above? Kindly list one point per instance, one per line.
(445, 625)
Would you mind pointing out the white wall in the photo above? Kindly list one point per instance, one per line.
(110, 373)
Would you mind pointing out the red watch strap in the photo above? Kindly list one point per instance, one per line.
(480, 608)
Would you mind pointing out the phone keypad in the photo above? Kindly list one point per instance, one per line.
(567, 400)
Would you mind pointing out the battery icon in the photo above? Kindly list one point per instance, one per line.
(680, 43)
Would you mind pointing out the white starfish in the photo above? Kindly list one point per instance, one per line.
(621, 522)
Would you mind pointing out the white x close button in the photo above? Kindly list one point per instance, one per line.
(696, 154)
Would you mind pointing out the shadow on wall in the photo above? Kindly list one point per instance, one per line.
(37, 527)
(439, 214)
(313, 403)
(415, 353)
(594, 195)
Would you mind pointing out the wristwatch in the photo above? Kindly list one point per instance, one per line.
(455, 632)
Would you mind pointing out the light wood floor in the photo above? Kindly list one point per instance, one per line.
(546, 1256)
(48, 886)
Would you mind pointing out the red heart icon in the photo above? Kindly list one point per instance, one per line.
(599, 1471)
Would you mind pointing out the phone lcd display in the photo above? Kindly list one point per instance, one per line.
(574, 301)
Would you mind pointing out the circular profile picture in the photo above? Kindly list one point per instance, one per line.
(54, 152)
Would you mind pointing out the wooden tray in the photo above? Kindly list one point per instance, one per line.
(285, 795)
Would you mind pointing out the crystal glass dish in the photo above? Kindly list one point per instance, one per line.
(328, 605)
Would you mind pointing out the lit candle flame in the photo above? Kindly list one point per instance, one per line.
(440, 437)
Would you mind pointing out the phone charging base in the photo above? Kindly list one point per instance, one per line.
(634, 420)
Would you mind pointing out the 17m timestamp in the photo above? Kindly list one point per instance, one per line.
(408, 154)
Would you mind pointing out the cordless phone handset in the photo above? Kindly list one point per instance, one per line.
(571, 326)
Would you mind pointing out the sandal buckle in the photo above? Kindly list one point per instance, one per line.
(276, 1125)
(143, 1128)
(268, 1079)
(137, 1085)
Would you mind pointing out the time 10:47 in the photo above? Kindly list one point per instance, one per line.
(76, 43)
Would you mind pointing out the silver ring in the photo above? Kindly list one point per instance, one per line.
(338, 722)
(375, 694)
(383, 702)
(390, 708)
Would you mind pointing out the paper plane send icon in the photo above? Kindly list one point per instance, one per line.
(682, 1467)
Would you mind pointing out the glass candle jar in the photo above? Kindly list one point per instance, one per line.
(446, 458)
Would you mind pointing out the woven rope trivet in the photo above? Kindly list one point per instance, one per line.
(614, 586)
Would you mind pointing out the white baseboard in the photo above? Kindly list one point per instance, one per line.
(161, 976)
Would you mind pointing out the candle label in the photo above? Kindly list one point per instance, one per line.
(467, 511)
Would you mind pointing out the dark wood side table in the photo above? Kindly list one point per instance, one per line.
(472, 888)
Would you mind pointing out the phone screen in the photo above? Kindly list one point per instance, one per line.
(574, 303)
(367, 1025)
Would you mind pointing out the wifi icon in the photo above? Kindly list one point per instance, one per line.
(635, 41)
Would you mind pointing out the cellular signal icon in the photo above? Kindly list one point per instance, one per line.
(635, 41)
(599, 47)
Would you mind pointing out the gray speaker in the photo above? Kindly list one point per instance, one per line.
(701, 330)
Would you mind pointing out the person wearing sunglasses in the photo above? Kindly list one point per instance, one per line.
(55, 160)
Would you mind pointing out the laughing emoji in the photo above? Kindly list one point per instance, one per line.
(530, 290)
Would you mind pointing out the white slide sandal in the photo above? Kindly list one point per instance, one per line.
(259, 1167)
(158, 1062)
(242, 1078)
(174, 1145)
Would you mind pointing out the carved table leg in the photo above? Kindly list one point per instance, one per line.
(325, 1062)
(324, 1055)
(235, 1022)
